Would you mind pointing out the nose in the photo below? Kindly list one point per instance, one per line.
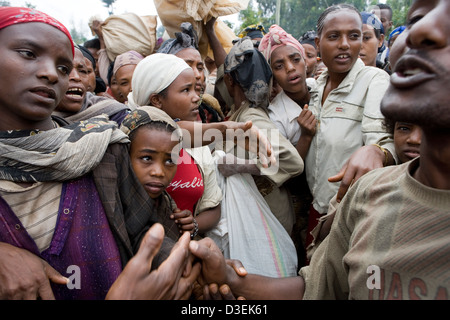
(74, 75)
(431, 31)
(343, 43)
(415, 136)
(156, 170)
(48, 71)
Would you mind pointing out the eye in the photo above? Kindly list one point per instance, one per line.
(146, 158)
(64, 69)
(355, 36)
(28, 54)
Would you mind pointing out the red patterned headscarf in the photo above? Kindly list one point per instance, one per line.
(275, 38)
(16, 15)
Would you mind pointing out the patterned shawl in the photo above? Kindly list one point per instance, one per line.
(59, 154)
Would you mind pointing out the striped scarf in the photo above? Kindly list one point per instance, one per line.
(59, 154)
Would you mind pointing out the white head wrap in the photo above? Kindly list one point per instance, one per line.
(152, 75)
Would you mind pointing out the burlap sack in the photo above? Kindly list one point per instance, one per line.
(129, 31)
(173, 12)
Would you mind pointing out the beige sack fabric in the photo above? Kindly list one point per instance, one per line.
(173, 12)
(129, 31)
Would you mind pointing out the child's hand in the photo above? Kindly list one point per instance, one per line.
(184, 219)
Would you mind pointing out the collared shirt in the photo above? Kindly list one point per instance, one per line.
(349, 119)
(284, 111)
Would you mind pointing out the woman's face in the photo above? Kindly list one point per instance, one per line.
(123, 78)
(340, 41)
(289, 70)
(153, 159)
(91, 84)
(194, 60)
(73, 99)
(115, 90)
(181, 100)
(370, 45)
(36, 60)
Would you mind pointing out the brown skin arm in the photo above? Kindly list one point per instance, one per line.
(253, 287)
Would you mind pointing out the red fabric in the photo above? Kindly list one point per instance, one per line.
(16, 15)
(187, 185)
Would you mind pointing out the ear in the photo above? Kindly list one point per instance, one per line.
(317, 42)
(155, 100)
(381, 40)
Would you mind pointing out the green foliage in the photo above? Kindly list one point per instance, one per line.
(109, 4)
(299, 16)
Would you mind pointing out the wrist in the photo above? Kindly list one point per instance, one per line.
(385, 153)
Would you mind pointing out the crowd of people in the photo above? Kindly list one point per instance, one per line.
(308, 166)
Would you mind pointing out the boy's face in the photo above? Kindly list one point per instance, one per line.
(407, 139)
(36, 60)
(418, 92)
(289, 69)
(153, 159)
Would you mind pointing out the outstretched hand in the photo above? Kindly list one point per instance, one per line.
(362, 161)
(168, 282)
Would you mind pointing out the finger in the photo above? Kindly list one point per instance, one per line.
(150, 245)
(237, 266)
(214, 292)
(45, 292)
(226, 293)
(201, 250)
(188, 282)
(53, 275)
(247, 125)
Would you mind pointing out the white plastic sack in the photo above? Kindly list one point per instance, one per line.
(248, 230)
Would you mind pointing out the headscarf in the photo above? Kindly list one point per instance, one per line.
(308, 38)
(152, 75)
(145, 115)
(275, 38)
(87, 54)
(128, 58)
(396, 32)
(250, 70)
(16, 15)
(253, 31)
(372, 20)
(185, 39)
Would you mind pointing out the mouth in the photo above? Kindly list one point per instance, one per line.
(75, 94)
(411, 71)
(295, 79)
(412, 153)
(45, 93)
(343, 57)
(154, 187)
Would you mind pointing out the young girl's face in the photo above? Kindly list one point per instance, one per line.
(153, 158)
(36, 60)
(289, 69)
(181, 99)
(340, 40)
